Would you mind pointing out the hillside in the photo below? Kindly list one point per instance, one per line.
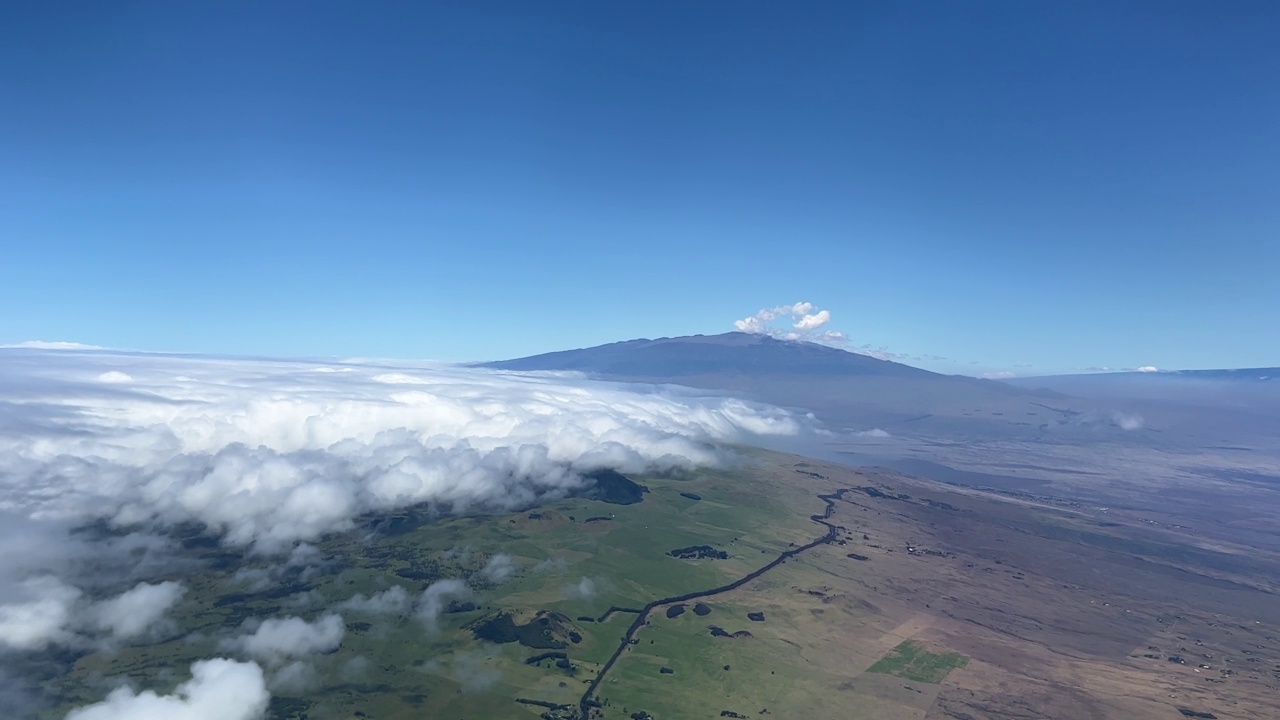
(844, 389)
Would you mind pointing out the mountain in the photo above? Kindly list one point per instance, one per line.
(732, 353)
(844, 389)
(1240, 374)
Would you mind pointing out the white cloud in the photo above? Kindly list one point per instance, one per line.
(268, 455)
(873, 433)
(115, 376)
(51, 345)
(433, 600)
(219, 689)
(138, 610)
(999, 375)
(1127, 421)
(1148, 369)
(272, 453)
(804, 324)
(41, 617)
(813, 322)
(584, 589)
(499, 569)
(392, 601)
(277, 639)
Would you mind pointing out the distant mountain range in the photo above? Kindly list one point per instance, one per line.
(842, 388)
(1242, 374)
(860, 394)
(732, 353)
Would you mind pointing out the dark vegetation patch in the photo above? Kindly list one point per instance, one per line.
(551, 655)
(586, 618)
(237, 614)
(543, 704)
(702, 609)
(546, 631)
(856, 556)
(596, 519)
(421, 572)
(876, 492)
(272, 594)
(755, 616)
(613, 487)
(1188, 712)
(697, 552)
(460, 606)
(731, 714)
(675, 611)
(666, 670)
(287, 708)
(691, 496)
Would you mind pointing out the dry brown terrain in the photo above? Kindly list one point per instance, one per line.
(1063, 610)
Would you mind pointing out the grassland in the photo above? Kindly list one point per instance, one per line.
(912, 662)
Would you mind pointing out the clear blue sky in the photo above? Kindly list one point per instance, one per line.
(1047, 184)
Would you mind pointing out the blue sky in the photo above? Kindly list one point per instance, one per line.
(1013, 186)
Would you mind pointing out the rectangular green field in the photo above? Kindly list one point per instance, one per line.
(911, 661)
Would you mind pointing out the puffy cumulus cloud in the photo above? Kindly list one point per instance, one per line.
(41, 614)
(998, 375)
(136, 611)
(45, 610)
(814, 321)
(873, 433)
(278, 639)
(1148, 369)
(392, 601)
(499, 569)
(435, 598)
(799, 321)
(426, 607)
(219, 689)
(268, 454)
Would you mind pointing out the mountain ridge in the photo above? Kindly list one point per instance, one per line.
(693, 355)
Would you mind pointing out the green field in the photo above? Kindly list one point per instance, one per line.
(392, 667)
(912, 662)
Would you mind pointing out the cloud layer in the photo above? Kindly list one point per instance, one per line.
(270, 453)
(267, 455)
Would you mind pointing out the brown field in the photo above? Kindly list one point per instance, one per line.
(1062, 612)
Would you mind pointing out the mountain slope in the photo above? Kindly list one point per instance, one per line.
(730, 353)
(843, 389)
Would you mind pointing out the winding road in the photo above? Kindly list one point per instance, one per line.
(642, 614)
